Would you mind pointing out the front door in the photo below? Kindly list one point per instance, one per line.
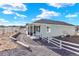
(30, 30)
(36, 29)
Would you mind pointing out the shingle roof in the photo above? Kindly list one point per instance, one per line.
(46, 21)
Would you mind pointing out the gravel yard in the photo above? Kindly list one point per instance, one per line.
(6, 43)
(37, 48)
(73, 39)
(11, 48)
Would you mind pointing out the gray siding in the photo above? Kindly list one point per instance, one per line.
(56, 30)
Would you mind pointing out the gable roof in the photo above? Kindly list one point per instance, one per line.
(46, 21)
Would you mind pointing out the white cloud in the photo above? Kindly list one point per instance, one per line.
(3, 22)
(20, 15)
(11, 12)
(7, 23)
(59, 5)
(14, 6)
(18, 23)
(71, 15)
(15, 17)
(11, 7)
(7, 12)
(46, 14)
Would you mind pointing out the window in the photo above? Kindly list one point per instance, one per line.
(48, 29)
(37, 28)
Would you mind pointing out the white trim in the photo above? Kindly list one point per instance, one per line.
(71, 51)
(23, 44)
(70, 43)
(71, 47)
(12, 38)
(55, 44)
(62, 44)
(55, 41)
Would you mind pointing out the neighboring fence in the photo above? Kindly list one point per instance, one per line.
(72, 47)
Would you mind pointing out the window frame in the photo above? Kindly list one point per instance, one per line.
(48, 29)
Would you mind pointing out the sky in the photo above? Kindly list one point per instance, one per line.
(22, 13)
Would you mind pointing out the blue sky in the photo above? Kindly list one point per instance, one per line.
(22, 13)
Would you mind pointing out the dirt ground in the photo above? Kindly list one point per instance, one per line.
(73, 39)
(6, 43)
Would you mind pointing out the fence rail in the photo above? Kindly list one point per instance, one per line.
(72, 47)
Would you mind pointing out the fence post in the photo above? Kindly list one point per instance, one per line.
(48, 40)
(60, 44)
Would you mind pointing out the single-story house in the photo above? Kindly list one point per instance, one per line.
(50, 28)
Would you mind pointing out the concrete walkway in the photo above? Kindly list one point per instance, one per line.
(21, 51)
(36, 47)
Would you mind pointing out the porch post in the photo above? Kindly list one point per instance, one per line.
(28, 29)
(33, 29)
(60, 44)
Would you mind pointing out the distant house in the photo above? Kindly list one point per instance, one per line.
(50, 28)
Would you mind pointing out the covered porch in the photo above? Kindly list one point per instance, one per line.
(34, 30)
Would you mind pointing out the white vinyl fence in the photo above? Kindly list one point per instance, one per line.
(72, 47)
